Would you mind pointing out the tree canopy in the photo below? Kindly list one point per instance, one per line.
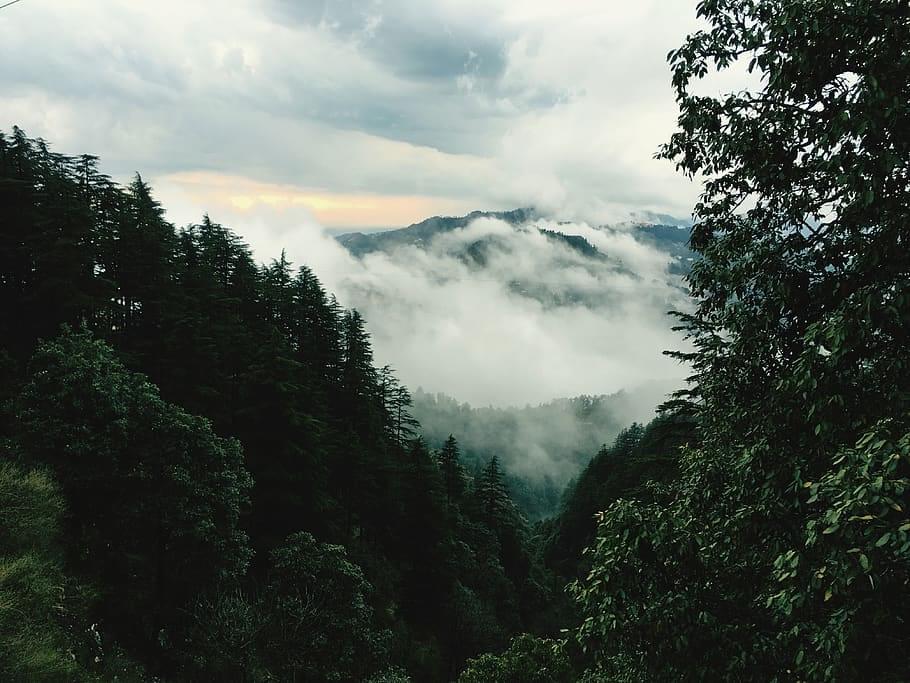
(782, 550)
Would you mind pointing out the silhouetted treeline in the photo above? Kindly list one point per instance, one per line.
(639, 456)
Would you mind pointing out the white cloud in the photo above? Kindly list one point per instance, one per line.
(448, 326)
(499, 103)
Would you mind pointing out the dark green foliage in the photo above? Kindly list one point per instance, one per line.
(491, 498)
(317, 624)
(453, 479)
(528, 660)
(393, 675)
(396, 400)
(273, 378)
(224, 637)
(781, 551)
(637, 456)
(311, 620)
(154, 496)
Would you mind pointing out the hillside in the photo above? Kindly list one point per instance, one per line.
(542, 448)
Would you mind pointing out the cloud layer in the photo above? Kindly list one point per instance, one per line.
(536, 321)
(495, 104)
(493, 335)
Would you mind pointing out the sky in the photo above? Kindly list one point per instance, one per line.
(290, 121)
(368, 113)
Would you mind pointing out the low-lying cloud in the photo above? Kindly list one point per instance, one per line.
(489, 334)
(535, 321)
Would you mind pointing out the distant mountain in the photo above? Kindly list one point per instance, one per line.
(658, 230)
(559, 265)
(562, 276)
(543, 447)
(654, 218)
(419, 234)
(672, 239)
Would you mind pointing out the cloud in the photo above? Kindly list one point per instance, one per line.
(535, 321)
(448, 326)
(488, 334)
(493, 103)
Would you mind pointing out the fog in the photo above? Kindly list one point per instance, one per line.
(537, 320)
(449, 327)
(542, 447)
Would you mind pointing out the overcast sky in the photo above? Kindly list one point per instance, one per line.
(367, 113)
(286, 119)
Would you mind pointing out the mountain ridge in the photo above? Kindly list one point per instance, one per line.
(659, 230)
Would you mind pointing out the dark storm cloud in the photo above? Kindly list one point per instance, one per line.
(416, 40)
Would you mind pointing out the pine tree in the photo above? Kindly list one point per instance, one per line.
(317, 334)
(493, 497)
(422, 516)
(358, 376)
(145, 243)
(396, 401)
(452, 471)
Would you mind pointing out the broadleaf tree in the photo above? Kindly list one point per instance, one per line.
(783, 549)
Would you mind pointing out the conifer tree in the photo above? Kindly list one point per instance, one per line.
(452, 471)
(155, 496)
(493, 498)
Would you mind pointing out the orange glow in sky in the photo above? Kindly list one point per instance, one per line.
(331, 209)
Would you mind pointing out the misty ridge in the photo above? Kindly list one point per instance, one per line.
(542, 448)
(514, 301)
(523, 308)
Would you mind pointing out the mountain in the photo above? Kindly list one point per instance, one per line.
(672, 239)
(420, 234)
(575, 264)
(658, 230)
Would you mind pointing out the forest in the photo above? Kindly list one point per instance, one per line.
(205, 475)
(542, 448)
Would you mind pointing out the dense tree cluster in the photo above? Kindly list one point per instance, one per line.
(541, 448)
(241, 491)
(640, 455)
(783, 550)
